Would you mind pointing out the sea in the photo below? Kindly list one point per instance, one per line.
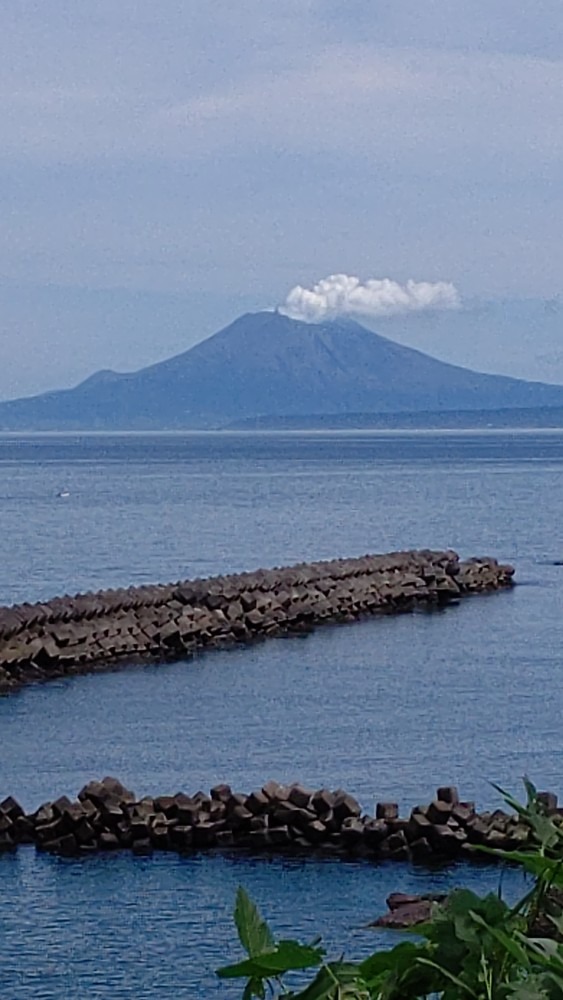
(386, 708)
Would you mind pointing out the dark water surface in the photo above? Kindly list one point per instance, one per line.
(384, 708)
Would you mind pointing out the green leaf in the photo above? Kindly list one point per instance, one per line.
(538, 865)
(557, 922)
(254, 988)
(532, 988)
(509, 943)
(525, 858)
(465, 929)
(254, 934)
(533, 814)
(544, 829)
(531, 791)
(333, 981)
(461, 902)
(449, 975)
(290, 955)
(249, 968)
(548, 948)
(509, 799)
(286, 956)
(395, 960)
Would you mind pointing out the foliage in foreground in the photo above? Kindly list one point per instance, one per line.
(473, 947)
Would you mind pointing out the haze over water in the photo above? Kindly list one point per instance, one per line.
(384, 708)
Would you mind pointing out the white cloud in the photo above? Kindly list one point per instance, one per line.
(345, 295)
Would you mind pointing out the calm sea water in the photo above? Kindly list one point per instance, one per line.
(385, 708)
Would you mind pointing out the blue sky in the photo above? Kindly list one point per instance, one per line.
(164, 167)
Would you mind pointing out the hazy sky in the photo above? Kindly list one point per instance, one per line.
(166, 166)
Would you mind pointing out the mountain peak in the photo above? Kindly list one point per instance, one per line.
(267, 325)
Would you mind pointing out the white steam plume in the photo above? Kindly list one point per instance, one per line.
(344, 295)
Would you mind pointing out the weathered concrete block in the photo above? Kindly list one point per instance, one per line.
(463, 813)
(548, 800)
(187, 814)
(139, 828)
(181, 837)
(279, 836)
(322, 801)
(345, 806)
(397, 841)
(449, 794)
(352, 831)
(257, 803)
(236, 799)
(166, 804)
(275, 792)
(300, 796)
(315, 831)
(445, 840)
(84, 832)
(421, 850)
(417, 826)
(7, 842)
(65, 845)
(439, 812)
(225, 839)
(142, 847)
(23, 830)
(259, 822)
(386, 810)
(375, 831)
(221, 793)
(205, 833)
(108, 841)
(239, 818)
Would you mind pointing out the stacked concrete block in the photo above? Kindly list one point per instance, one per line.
(70, 635)
(106, 816)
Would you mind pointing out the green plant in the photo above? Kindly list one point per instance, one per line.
(472, 948)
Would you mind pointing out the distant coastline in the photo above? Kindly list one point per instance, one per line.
(524, 417)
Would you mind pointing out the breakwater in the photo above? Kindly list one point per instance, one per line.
(107, 816)
(70, 635)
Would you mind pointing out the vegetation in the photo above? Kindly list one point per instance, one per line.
(479, 948)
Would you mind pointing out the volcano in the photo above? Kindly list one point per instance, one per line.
(268, 365)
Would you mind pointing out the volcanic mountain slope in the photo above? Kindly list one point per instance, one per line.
(265, 364)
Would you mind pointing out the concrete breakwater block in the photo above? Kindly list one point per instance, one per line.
(107, 816)
(70, 635)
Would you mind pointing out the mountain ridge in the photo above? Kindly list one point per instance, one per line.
(267, 365)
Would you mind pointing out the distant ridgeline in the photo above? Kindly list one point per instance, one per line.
(527, 417)
(71, 635)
